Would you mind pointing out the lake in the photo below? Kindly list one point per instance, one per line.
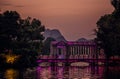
(66, 72)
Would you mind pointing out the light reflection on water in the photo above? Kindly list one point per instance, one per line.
(70, 72)
(63, 73)
(11, 74)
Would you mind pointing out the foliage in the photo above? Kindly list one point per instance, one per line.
(116, 4)
(30, 35)
(108, 32)
(22, 36)
(8, 28)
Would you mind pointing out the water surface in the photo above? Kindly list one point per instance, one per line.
(66, 72)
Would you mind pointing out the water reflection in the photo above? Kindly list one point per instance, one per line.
(70, 72)
(11, 74)
(97, 72)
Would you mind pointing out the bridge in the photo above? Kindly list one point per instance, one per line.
(69, 52)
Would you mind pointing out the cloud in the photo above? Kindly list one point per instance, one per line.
(6, 3)
(18, 5)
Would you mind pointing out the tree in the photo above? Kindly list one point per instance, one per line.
(108, 31)
(8, 28)
(116, 4)
(30, 39)
(22, 36)
(30, 34)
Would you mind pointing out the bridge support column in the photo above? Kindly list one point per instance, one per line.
(52, 64)
(90, 52)
(78, 52)
(83, 52)
(71, 50)
(87, 52)
(67, 64)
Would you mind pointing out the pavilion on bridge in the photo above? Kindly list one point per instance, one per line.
(75, 50)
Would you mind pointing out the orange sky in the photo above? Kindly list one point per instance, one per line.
(74, 18)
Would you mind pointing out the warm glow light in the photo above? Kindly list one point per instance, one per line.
(11, 58)
(11, 74)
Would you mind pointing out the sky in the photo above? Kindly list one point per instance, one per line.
(74, 18)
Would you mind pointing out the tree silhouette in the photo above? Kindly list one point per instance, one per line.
(22, 36)
(108, 31)
(116, 4)
(30, 34)
(8, 28)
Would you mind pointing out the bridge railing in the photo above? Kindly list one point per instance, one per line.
(70, 57)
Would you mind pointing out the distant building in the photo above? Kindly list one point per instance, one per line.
(73, 49)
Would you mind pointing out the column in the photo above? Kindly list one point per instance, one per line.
(54, 52)
(86, 50)
(83, 51)
(80, 51)
(92, 52)
(89, 51)
(76, 52)
(70, 51)
(73, 52)
(71, 47)
(57, 52)
(95, 53)
(64, 52)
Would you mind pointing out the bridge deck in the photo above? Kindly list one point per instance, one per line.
(78, 60)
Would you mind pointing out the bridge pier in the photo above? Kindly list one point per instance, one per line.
(67, 64)
(94, 63)
(53, 64)
(94, 69)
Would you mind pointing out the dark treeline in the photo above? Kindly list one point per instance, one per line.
(21, 36)
(108, 31)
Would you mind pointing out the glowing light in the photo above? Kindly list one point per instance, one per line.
(11, 58)
(11, 74)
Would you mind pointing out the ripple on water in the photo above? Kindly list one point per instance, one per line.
(63, 73)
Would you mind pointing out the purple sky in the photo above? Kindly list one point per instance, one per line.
(74, 18)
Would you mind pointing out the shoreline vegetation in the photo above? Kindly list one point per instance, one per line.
(20, 40)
